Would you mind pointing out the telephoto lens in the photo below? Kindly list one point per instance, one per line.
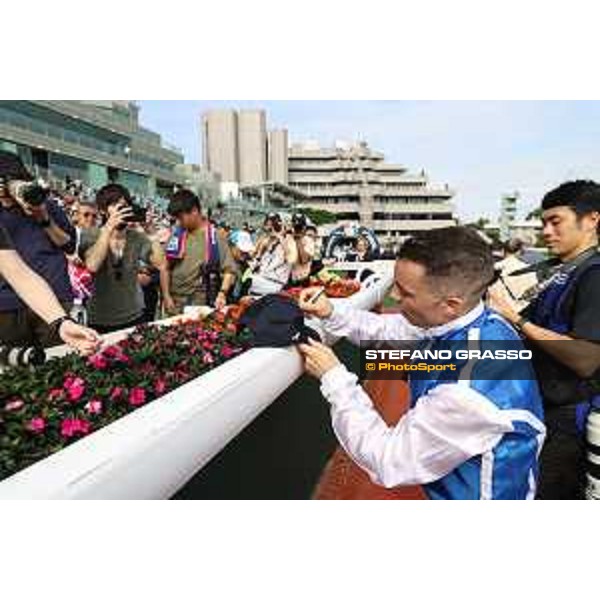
(28, 356)
(592, 491)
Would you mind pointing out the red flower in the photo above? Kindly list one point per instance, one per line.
(71, 427)
(36, 425)
(116, 354)
(13, 405)
(75, 387)
(116, 393)
(98, 361)
(94, 407)
(207, 358)
(137, 396)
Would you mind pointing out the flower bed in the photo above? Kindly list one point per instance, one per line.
(44, 410)
(336, 286)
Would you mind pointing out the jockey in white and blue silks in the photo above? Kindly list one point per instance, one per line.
(467, 439)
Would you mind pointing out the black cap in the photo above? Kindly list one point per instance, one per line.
(276, 321)
(12, 167)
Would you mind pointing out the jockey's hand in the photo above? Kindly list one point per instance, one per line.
(322, 308)
(318, 358)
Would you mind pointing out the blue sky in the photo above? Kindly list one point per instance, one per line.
(482, 149)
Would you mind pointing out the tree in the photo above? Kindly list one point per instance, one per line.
(319, 216)
(535, 214)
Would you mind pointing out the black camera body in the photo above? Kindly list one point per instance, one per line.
(138, 215)
(32, 194)
(299, 223)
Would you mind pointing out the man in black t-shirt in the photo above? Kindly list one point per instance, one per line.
(563, 325)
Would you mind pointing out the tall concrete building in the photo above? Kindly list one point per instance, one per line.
(278, 156)
(239, 149)
(356, 184)
(252, 146)
(220, 144)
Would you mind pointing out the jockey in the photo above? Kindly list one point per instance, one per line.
(466, 436)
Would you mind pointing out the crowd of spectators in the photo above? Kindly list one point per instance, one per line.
(113, 261)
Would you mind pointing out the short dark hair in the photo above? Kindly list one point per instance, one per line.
(583, 196)
(183, 201)
(454, 256)
(110, 194)
(12, 167)
(514, 246)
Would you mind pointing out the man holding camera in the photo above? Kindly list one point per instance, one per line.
(305, 235)
(41, 234)
(114, 254)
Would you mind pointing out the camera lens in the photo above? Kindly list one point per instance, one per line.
(22, 357)
(34, 195)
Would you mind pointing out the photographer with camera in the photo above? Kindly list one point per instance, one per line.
(305, 235)
(41, 234)
(113, 254)
(276, 256)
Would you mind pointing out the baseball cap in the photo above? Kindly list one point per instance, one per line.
(242, 240)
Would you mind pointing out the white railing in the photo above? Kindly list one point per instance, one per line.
(153, 452)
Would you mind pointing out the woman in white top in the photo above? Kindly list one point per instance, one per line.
(276, 255)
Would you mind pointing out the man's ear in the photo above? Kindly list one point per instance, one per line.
(590, 221)
(455, 304)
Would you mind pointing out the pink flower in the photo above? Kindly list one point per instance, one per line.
(71, 427)
(115, 353)
(137, 396)
(227, 351)
(116, 393)
(207, 358)
(98, 361)
(14, 405)
(160, 386)
(94, 407)
(36, 425)
(55, 394)
(75, 387)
